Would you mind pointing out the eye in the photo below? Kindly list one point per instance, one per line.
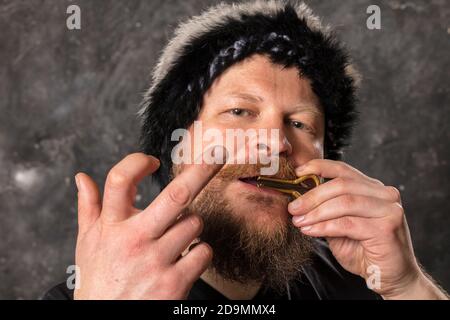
(239, 112)
(298, 125)
(302, 126)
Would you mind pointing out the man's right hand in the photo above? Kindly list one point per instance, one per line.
(126, 253)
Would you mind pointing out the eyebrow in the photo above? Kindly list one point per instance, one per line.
(255, 99)
(246, 96)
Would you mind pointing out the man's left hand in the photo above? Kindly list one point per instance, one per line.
(365, 226)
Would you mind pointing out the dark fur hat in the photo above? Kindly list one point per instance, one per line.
(204, 46)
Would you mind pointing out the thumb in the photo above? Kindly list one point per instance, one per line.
(89, 204)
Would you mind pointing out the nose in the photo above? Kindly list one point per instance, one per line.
(273, 139)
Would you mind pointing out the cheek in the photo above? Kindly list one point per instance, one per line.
(318, 148)
(307, 148)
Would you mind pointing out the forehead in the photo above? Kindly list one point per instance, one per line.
(258, 75)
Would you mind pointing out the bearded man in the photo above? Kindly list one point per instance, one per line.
(211, 233)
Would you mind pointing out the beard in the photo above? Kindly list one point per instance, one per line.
(244, 252)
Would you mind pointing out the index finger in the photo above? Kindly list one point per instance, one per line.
(176, 197)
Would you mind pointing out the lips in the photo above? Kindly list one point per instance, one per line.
(249, 180)
(252, 183)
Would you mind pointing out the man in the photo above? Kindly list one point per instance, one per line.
(257, 65)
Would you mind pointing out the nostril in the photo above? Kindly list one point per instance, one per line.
(262, 146)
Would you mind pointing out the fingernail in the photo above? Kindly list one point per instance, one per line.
(77, 182)
(306, 228)
(295, 205)
(298, 219)
(155, 158)
(192, 246)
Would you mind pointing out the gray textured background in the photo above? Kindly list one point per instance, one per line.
(68, 101)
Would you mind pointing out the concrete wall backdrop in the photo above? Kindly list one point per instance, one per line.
(68, 101)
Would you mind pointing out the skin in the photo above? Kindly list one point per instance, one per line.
(127, 253)
(287, 101)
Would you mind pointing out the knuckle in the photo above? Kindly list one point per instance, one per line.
(205, 251)
(398, 213)
(342, 165)
(347, 201)
(196, 222)
(340, 183)
(117, 178)
(179, 193)
(134, 245)
(376, 181)
(346, 223)
(393, 222)
(388, 228)
(309, 166)
(394, 193)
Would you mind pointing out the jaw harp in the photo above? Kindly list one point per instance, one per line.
(295, 188)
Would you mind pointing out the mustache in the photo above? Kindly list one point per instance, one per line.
(286, 170)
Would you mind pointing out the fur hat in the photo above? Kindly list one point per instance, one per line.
(206, 45)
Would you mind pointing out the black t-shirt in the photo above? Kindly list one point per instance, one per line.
(323, 278)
